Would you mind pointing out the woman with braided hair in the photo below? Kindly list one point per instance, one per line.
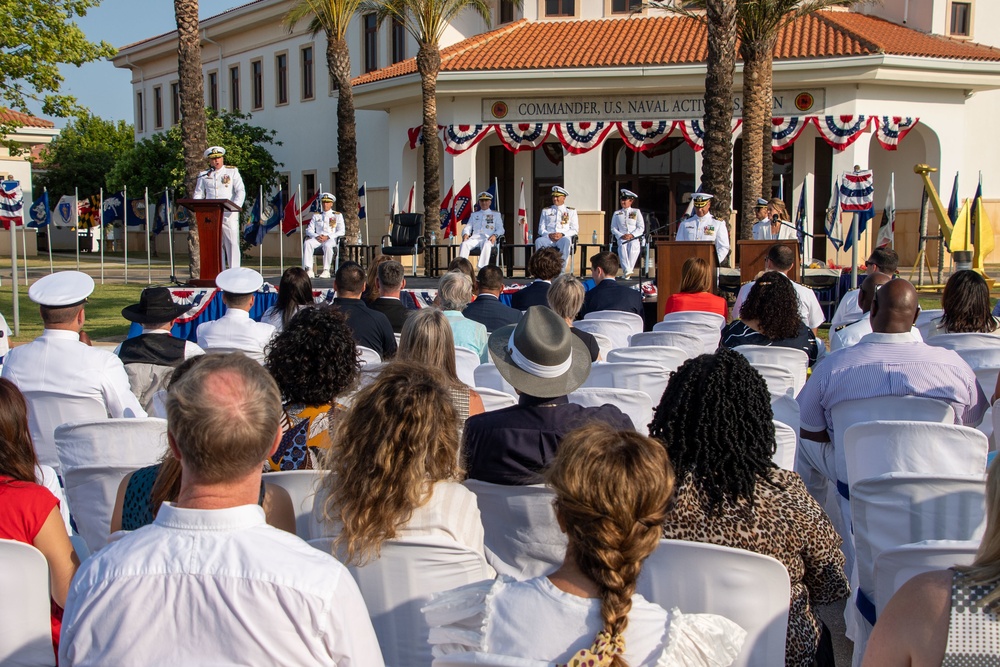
(715, 421)
(611, 490)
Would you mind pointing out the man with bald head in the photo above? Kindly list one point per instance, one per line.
(847, 335)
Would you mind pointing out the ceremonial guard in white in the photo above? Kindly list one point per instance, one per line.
(483, 228)
(628, 227)
(761, 228)
(770, 227)
(701, 226)
(235, 330)
(558, 225)
(325, 229)
(222, 182)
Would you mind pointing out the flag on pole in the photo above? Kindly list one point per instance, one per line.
(268, 217)
(522, 216)
(887, 227)
(135, 212)
(834, 228)
(160, 219)
(802, 224)
(409, 199)
(11, 204)
(41, 215)
(953, 202)
(446, 213)
(113, 208)
(857, 195)
(65, 212)
(362, 203)
(394, 202)
(983, 230)
(292, 220)
(88, 211)
(495, 202)
(461, 205)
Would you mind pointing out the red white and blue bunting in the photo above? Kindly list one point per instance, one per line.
(890, 130)
(460, 138)
(523, 136)
(784, 131)
(645, 134)
(579, 138)
(841, 131)
(693, 133)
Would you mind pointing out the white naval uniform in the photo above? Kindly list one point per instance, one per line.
(326, 223)
(235, 331)
(628, 221)
(225, 183)
(558, 220)
(481, 226)
(762, 231)
(705, 228)
(65, 381)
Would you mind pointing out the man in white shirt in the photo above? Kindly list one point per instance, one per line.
(761, 228)
(882, 260)
(63, 379)
(324, 231)
(237, 591)
(484, 227)
(235, 330)
(223, 182)
(558, 225)
(781, 258)
(627, 226)
(701, 226)
(847, 335)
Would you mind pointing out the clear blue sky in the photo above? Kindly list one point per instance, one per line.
(101, 87)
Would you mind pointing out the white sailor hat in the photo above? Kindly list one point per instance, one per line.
(627, 194)
(701, 197)
(240, 280)
(761, 203)
(556, 190)
(485, 195)
(215, 151)
(327, 196)
(63, 289)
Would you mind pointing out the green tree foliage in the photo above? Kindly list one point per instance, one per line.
(82, 155)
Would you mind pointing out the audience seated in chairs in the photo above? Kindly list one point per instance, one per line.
(295, 292)
(454, 294)
(389, 281)
(769, 316)
(487, 308)
(29, 512)
(693, 294)
(545, 264)
(314, 361)
(966, 305)
(565, 297)
(463, 265)
(715, 421)
(235, 330)
(370, 327)
(612, 488)
(607, 294)
(372, 291)
(781, 258)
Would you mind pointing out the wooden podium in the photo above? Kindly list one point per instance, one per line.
(750, 256)
(208, 214)
(670, 258)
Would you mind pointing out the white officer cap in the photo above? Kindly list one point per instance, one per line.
(240, 280)
(628, 194)
(701, 197)
(556, 190)
(327, 196)
(485, 195)
(215, 151)
(59, 290)
(761, 203)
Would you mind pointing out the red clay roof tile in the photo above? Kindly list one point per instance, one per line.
(9, 116)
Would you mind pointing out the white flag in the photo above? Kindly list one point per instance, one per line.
(887, 227)
(65, 213)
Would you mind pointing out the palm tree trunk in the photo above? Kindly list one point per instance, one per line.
(766, 155)
(192, 102)
(338, 59)
(428, 64)
(717, 165)
(756, 110)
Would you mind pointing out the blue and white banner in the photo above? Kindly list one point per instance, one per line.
(11, 204)
(40, 213)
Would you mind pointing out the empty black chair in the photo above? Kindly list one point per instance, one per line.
(404, 237)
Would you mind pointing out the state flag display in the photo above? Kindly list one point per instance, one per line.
(65, 213)
(834, 228)
(409, 199)
(446, 214)
(887, 227)
(292, 220)
(522, 216)
(362, 202)
(802, 225)
(461, 205)
(263, 218)
(11, 204)
(41, 215)
(113, 209)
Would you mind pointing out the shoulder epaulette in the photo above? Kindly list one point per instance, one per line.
(570, 208)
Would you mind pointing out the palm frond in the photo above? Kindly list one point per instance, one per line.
(692, 9)
(331, 16)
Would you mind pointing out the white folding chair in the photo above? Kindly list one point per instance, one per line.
(635, 322)
(670, 358)
(780, 380)
(95, 457)
(466, 362)
(25, 628)
(960, 342)
(487, 375)
(897, 565)
(604, 345)
(638, 375)
(690, 343)
(694, 317)
(925, 321)
(397, 584)
(368, 355)
(636, 404)
(749, 589)
(302, 486)
(47, 410)
(709, 334)
(494, 399)
(619, 332)
(523, 539)
(786, 439)
(796, 361)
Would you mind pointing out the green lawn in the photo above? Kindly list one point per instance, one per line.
(104, 311)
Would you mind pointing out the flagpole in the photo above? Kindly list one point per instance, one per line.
(281, 247)
(125, 228)
(13, 272)
(854, 242)
(24, 240)
(368, 238)
(102, 235)
(76, 225)
(48, 232)
(170, 233)
(298, 217)
(260, 200)
(892, 223)
(149, 259)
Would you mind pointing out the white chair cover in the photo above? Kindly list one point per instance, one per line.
(924, 318)
(750, 589)
(670, 358)
(466, 362)
(786, 439)
(95, 457)
(635, 322)
(398, 583)
(523, 539)
(302, 486)
(47, 477)
(604, 345)
(960, 342)
(780, 380)
(796, 361)
(636, 404)
(487, 375)
(619, 332)
(477, 659)
(710, 334)
(786, 411)
(694, 317)
(368, 355)
(25, 630)
(638, 375)
(690, 343)
(495, 400)
(897, 565)
(47, 410)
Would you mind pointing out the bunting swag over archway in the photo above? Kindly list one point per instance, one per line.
(581, 137)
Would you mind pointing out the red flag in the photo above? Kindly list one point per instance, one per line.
(446, 214)
(409, 200)
(522, 216)
(463, 210)
(289, 221)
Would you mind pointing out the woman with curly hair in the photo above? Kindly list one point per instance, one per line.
(395, 464)
(313, 361)
(770, 316)
(966, 305)
(715, 421)
(611, 490)
(295, 292)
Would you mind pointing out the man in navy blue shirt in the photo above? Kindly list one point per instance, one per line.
(607, 294)
(487, 309)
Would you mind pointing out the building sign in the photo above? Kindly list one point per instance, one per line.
(684, 106)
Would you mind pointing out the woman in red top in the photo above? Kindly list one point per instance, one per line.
(694, 295)
(29, 512)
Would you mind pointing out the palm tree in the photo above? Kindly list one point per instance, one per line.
(333, 17)
(192, 103)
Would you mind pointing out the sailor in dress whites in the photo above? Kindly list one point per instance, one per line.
(628, 227)
(235, 331)
(772, 223)
(761, 228)
(222, 182)
(325, 229)
(701, 226)
(558, 225)
(483, 228)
